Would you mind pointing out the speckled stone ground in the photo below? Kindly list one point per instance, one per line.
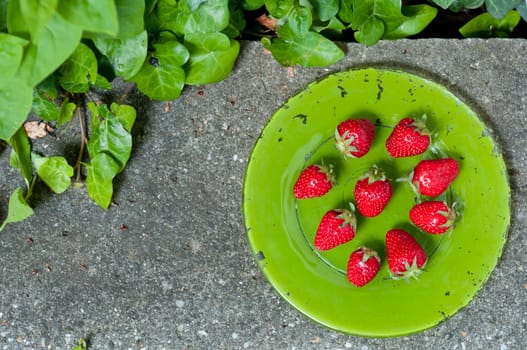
(169, 266)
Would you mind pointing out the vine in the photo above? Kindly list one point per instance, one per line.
(54, 53)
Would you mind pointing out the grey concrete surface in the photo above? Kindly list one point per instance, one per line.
(169, 266)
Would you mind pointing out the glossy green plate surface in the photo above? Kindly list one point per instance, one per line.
(281, 229)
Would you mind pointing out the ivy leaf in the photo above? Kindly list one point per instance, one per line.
(345, 13)
(93, 16)
(251, 5)
(458, 5)
(236, 20)
(57, 42)
(109, 136)
(212, 57)
(313, 50)
(18, 210)
(79, 70)
(444, 4)
(278, 8)
(161, 77)
(126, 114)
(299, 20)
(15, 104)
(372, 17)
(416, 18)
(127, 54)
(66, 112)
(324, 10)
(36, 14)
(102, 83)
(54, 171)
(206, 16)
(486, 26)
(43, 107)
(130, 14)
(370, 31)
(3, 15)
(522, 9)
(11, 52)
(499, 8)
(100, 173)
(21, 154)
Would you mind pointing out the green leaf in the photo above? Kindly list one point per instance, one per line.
(212, 57)
(54, 171)
(11, 52)
(100, 173)
(98, 16)
(370, 31)
(3, 15)
(444, 4)
(237, 20)
(102, 83)
(499, 8)
(130, 14)
(66, 112)
(127, 55)
(459, 5)
(22, 154)
(345, 13)
(49, 87)
(299, 20)
(161, 77)
(205, 16)
(126, 114)
(43, 107)
(522, 9)
(36, 14)
(278, 8)
(486, 26)
(18, 210)
(324, 10)
(57, 42)
(79, 70)
(81, 345)
(110, 137)
(15, 104)
(166, 12)
(417, 18)
(313, 50)
(251, 5)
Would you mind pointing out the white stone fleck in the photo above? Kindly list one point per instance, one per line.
(235, 157)
(234, 335)
(180, 303)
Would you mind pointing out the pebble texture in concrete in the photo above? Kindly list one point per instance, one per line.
(169, 266)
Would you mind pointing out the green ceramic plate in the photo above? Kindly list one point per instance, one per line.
(281, 229)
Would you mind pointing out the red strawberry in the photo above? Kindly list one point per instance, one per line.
(354, 137)
(433, 217)
(363, 265)
(408, 138)
(432, 177)
(337, 227)
(405, 256)
(314, 181)
(372, 192)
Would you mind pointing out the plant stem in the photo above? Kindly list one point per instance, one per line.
(84, 141)
(126, 92)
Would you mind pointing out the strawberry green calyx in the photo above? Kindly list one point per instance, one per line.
(344, 143)
(411, 271)
(348, 218)
(419, 125)
(369, 253)
(374, 174)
